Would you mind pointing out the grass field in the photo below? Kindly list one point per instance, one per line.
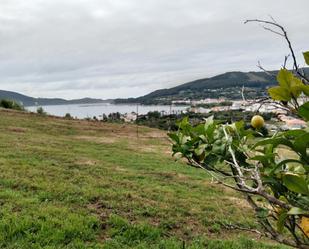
(79, 184)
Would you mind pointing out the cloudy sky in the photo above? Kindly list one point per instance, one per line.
(123, 48)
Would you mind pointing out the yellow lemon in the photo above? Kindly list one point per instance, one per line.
(257, 121)
(305, 225)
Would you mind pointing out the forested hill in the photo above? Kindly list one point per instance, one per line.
(30, 101)
(224, 85)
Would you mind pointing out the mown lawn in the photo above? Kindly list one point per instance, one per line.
(79, 184)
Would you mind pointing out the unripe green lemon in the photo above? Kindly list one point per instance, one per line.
(257, 121)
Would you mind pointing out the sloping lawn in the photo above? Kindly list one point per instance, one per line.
(78, 184)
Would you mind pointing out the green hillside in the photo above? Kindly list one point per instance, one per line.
(78, 184)
(226, 85)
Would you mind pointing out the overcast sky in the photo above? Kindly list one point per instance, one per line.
(127, 48)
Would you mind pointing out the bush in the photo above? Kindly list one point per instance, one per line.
(41, 111)
(68, 116)
(11, 104)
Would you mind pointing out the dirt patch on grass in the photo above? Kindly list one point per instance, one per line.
(17, 129)
(239, 202)
(101, 209)
(168, 175)
(86, 162)
(120, 169)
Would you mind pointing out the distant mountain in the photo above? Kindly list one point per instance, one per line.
(226, 85)
(30, 101)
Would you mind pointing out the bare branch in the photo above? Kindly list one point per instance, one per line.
(285, 35)
(285, 61)
(235, 227)
(264, 70)
(273, 31)
(272, 18)
(214, 176)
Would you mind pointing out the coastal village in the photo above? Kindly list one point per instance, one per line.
(280, 119)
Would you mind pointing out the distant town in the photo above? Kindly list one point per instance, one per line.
(280, 120)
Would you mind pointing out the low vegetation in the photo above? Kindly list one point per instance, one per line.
(41, 111)
(10, 104)
(169, 122)
(210, 105)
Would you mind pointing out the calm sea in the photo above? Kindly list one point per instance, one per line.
(90, 110)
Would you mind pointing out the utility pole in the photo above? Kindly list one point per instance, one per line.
(136, 120)
(169, 121)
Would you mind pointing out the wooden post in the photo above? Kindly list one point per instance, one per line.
(136, 120)
(169, 120)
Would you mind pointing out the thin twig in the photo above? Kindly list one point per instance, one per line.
(285, 35)
(285, 61)
(235, 227)
(264, 70)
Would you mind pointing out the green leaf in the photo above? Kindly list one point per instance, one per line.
(281, 220)
(218, 149)
(303, 111)
(295, 183)
(210, 129)
(203, 138)
(279, 93)
(174, 137)
(305, 89)
(284, 162)
(297, 211)
(239, 125)
(285, 78)
(301, 144)
(265, 159)
(296, 89)
(199, 150)
(294, 133)
(211, 159)
(289, 86)
(306, 56)
(262, 213)
(296, 86)
(275, 142)
(199, 129)
(184, 125)
(183, 139)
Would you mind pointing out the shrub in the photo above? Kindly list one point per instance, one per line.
(11, 104)
(41, 111)
(68, 116)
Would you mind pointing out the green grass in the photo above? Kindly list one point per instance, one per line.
(78, 184)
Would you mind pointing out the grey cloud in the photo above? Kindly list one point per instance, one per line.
(116, 48)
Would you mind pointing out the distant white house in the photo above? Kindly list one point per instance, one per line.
(184, 101)
(238, 104)
(129, 117)
(220, 108)
(207, 101)
(199, 102)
